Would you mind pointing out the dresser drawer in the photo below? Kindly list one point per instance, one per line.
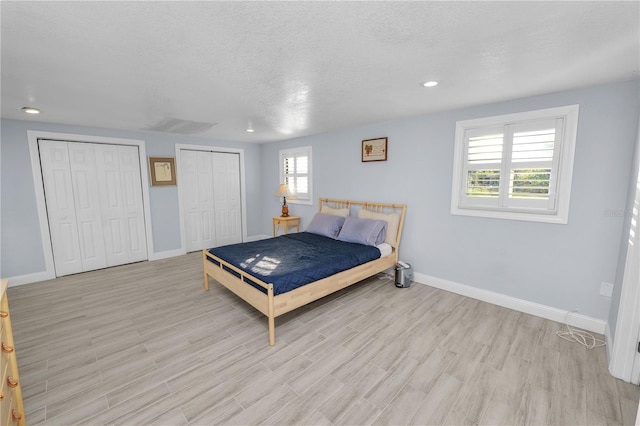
(12, 411)
(4, 314)
(6, 351)
(4, 372)
(15, 416)
(5, 407)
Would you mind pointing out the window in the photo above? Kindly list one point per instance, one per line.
(295, 171)
(515, 166)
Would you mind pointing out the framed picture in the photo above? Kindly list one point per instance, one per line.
(374, 150)
(163, 171)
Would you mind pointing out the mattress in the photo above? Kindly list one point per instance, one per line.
(293, 260)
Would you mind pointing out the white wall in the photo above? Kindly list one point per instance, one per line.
(21, 246)
(560, 266)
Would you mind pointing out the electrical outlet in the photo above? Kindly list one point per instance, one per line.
(606, 289)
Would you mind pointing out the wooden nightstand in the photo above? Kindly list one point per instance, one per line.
(286, 223)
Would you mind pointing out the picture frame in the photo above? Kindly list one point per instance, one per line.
(374, 150)
(163, 171)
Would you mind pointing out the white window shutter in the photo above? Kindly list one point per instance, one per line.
(295, 171)
(515, 166)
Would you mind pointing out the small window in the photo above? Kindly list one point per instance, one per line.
(295, 171)
(515, 166)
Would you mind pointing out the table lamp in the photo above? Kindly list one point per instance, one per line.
(283, 191)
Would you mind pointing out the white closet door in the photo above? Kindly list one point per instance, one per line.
(197, 199)
(61, 211)
(120, 187)
(132, 202)
(87, 203)
(94, 203)
(226, 190)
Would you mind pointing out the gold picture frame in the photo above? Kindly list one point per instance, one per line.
(374, 150)
(163, 171)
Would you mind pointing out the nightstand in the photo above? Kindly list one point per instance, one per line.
(286, 223)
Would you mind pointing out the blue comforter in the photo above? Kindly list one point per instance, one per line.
(293, 260)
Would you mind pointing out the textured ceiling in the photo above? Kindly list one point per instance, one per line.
(291, 69)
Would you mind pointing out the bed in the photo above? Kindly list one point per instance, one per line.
(304, 285)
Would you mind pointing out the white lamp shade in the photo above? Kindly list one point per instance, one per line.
(283, 191)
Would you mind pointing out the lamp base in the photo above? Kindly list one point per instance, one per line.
(285, 211)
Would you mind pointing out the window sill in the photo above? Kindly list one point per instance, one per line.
(306, 202)
(557, 218)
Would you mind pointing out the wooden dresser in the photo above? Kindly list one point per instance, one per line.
(11, 407)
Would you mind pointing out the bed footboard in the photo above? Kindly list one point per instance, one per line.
(219, 270)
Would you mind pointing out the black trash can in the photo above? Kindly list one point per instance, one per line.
(404, 275)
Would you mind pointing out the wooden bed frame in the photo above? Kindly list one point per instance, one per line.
(274, 306)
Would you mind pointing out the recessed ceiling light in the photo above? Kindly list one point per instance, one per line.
(430, 84)
(250, 130)
(31, 110)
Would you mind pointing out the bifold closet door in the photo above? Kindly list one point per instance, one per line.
(73, 210)
(210, 196)
(197, 199)
(226, 194)
(120, 186)
(61, 209)
(93, 194)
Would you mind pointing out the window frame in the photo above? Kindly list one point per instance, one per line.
(559, 188)
(305, 151)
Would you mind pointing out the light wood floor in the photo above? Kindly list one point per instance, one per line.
(144, 344)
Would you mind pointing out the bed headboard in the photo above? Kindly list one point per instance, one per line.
(371, 206)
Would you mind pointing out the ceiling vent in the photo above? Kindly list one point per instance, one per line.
(183, 127)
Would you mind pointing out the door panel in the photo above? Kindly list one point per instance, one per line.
(227, 198)
(133, 219)
(87, 204)
(197, 199)
(56, 177)
(121, 200)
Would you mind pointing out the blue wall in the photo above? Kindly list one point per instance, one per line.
(560, 266)
(21, 246)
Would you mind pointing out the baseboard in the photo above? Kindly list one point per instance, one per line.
(608, 342)
(30, 278)
(574, 319)
(167, 254)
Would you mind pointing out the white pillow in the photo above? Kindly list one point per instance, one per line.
(392, 219)
(336, 212)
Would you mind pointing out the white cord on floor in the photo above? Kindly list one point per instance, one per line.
(585, 338)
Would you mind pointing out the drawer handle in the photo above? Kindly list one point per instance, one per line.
(13, 383)
(1, 396)
(6, 348)
(16, 417)
(4, 314)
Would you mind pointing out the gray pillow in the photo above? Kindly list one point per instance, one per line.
(363, 231)
(326, 224)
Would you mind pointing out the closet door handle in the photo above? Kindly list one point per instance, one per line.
(13, 383)
(6, 348)
(4, 314)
